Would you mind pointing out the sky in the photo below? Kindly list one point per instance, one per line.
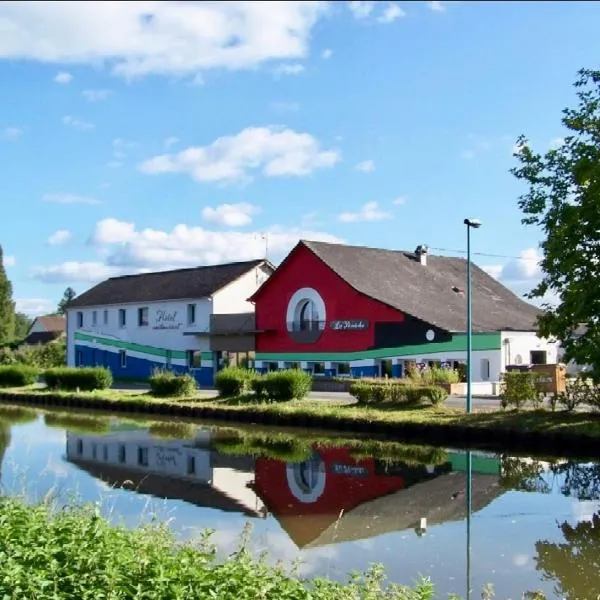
(141, 136)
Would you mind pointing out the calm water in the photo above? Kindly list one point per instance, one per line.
(337, 508)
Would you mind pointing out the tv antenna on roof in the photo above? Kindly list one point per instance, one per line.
(265, 237)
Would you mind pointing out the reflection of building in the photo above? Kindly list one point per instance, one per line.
(185, 320)
(175, 469)
(336, 309)
(333, 498)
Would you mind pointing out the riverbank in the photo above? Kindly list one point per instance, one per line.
(534, 431)
(73, 553)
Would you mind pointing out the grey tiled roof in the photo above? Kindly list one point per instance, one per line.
(198, 282)
(435, 292)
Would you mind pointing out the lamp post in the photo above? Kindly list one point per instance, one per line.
(471, 224)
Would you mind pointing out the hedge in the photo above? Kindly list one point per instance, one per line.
(233, 381)
(165, 383)
(276, 386)
(396, 392)
(18, 375)
(82, 378)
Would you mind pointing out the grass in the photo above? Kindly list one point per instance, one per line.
(75, 554)
(329, 414)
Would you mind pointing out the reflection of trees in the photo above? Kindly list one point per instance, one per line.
(581, 481)
(524, 475)
(575, 563)
(4, 442)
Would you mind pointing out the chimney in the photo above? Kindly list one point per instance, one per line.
(421, 254)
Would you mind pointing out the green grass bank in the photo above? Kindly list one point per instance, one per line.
(574, 433)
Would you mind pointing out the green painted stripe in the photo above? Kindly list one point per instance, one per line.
(207, 355)
(153, 351)
(488, 465)
(481, 342)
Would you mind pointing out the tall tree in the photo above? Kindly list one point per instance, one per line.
(7, 306)
(563, 199)
(68, 295)
(22, 325)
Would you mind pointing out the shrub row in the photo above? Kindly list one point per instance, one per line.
(18, 375)
(276, 386)
(83, 378)
(165, 383)
(396, 392)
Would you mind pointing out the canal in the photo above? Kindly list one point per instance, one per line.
(464, 518)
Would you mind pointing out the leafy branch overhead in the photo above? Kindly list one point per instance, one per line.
(563, 200)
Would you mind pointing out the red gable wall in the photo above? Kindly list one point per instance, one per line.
(303, 269)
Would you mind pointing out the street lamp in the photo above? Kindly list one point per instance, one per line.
(471, 224)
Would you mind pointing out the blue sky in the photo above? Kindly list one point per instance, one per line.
(151, 135)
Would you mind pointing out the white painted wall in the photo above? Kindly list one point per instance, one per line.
(233, 298)
(521, 343)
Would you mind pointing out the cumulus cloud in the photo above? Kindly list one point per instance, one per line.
(391, 12)
(11, 133)
(230, 215)
(127, 249)
(524, 268)
(76, 123)
(59, 237)
(361, 10)
(272, 151)
(366, 166)
(62, 198)
(96, 95)
(61, 77)
(9, 261)
(158, 37)
(34, 306)
(369, 212)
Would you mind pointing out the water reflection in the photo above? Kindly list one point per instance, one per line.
(466, 518)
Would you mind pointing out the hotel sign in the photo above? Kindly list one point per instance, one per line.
(166, 320)
(349, 325)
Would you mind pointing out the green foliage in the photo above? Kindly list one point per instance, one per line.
(18, 375)
(74, 554)
(168, 383)
(172, 430)
(42, 356)
(7, 306)
(563, 200)
(68, 295)
(82, 378)
(392, 392)
(84, 424)
(233, 381)
(518, 388)
(14, 415)
(286, 385)
(434, 376)
(22, 325)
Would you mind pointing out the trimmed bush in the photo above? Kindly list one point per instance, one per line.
(259, 386)
(18, 375)
(286, 385)
(166, 383)
(233, 381)
(83, 378)
(396, 392)
(517, 388)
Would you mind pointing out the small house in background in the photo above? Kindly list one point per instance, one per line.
(46, 329)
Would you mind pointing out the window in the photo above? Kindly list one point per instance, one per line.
(106, 317)
(79, 319)
(94, 451)
(143, 457)
(538, 357)
(308, 316)
(143, 317)
(122, 453)
(78, 358)
(191, 465)
(80, 447)
(273, 366)
(194, 359)
(123, 358)
(122, 317)
(485, 369)
(191, 314)
(94, 318)
(318, 368)
(343, 368)
(105, 452)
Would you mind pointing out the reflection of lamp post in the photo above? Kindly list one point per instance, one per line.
(475, 224)
(468, 498)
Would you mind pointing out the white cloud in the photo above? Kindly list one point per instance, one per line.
(9, 261)
(436, 6)
(34, 306)
(158, 37)
(171, 141)
(272, 151)
(61, 77)
(62, 198)
(327, 54)
(366, 166)
(391, 13)
(129, 250)
(361, 10)
(289, 69)
(76, 123)
(369, 212)
(11, 133)
(494, 270)
(399, 201)
(523, 269)
(96, 95)
(59, 237)
(230, 215)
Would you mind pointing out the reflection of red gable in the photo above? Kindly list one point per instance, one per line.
(303, 269)
(349, 483)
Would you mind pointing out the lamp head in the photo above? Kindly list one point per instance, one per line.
(475, 223)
